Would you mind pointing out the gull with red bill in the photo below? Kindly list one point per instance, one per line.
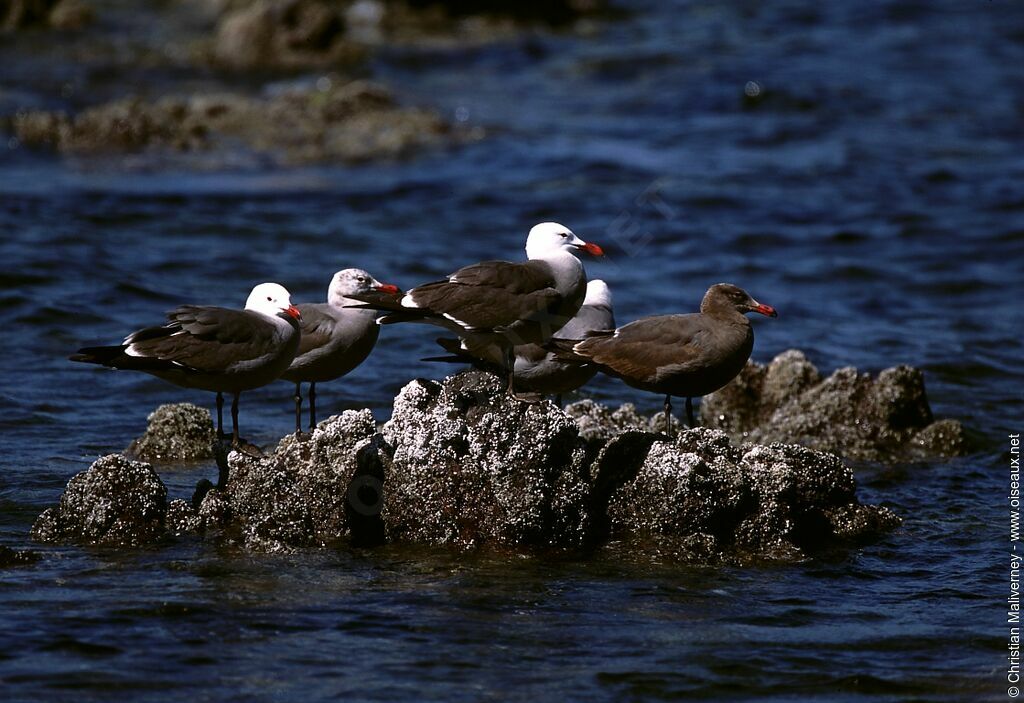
(504, 303)
(676, 355)
(336, 337)
(213, 349)
(538, 369)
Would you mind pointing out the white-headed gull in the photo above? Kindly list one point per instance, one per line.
(213, 349)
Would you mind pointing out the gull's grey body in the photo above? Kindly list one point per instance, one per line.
(336, 338)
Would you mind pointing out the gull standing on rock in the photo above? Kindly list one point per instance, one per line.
(505, 303)
(538, 369)
(213, 349)
(677, 355)
(336, 337)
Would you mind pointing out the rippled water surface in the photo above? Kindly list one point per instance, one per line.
(870, 187)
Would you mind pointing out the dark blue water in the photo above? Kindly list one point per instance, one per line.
(871, 189)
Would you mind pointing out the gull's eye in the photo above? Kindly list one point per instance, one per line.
(563, 235)
(361, 279)
(270, 299)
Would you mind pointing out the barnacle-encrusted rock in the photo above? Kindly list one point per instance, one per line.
(302, 494)
(114, 502)
(17, 557)
(214, 511)
(176, 432)
(182, 518)
(462, 463)
(601, 423)
(702, 499)
(472, 466)
(873, 419)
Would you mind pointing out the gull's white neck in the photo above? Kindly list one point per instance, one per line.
(567, 269)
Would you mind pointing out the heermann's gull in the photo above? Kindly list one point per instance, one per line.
(335, 338)
(538, 369)
(504, 303)
(213, 349)
(679, 355)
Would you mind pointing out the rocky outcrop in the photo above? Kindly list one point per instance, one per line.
(182, 519)
(312, 491)
(699, 498)
(472, 466)
(461, 463)
(323, 119)
(285, 34)
(599, 423)
(176, 432)
(115, 501)
(886, 418)
(343, 122)
(10, 558)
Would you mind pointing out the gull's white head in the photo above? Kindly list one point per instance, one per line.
(272, 299)
(548, 238)
(598, 293)
(355, 282)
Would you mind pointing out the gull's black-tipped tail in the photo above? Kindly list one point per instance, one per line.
(116, 358)
(412, 315)
(377, 301)
(105, 356)
(563, 350)
(447, 359)
(391, 308)
(458, 355)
